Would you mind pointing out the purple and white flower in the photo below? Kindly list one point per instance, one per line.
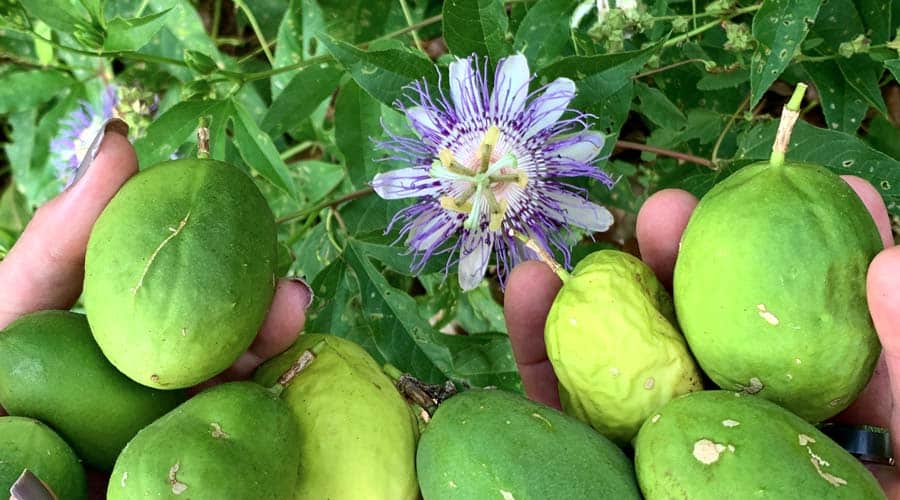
(489, 163)
(78, 131)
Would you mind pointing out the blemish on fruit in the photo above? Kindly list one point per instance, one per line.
(708, 452)
(217, 431)
(655, 418)
(177, 486)
(614, 371)
(507, 495)
(124, 478)
(542, 419)
(730, 423)
(805, 440)
(766, 315)
(648, 384)
(755, 386)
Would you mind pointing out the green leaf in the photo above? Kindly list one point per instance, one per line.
(383, 74)
(384, 249)
(95, 10)
(405, 339)
(301, 97)
(893, 65)
(476, 26)
(882, 135)
(132, 34)
(259, 153)
(840, 22)
(604, 82)
(315, 253)
(356, 123)
(779, 27)
(13, 15)
(62, 15)
(658, 108)
(544, 34)
(14, 210)
(172, 129)
(840, 152)
(317, 178)
(876, 16)
(724, 80)
(22, 90)
(842, 105)
(352, 21)
(288, 45)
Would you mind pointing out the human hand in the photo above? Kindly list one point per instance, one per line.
(532, 286)
(45, 268)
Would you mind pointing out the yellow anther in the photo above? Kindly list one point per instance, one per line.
(523, 179)
(497, 216)
(491, 136)
(448, 203)
(446, 157)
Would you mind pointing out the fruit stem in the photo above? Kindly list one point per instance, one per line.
(306, 358)
(203, 139)
(545, 256)
(789, 116)
(29, 487)
(426, 396)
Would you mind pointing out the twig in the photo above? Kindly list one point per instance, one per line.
(721, 138)
(666, 152)
(325, 204)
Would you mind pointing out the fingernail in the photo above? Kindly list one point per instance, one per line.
(29, 487)
(115, 125)
(309, 291)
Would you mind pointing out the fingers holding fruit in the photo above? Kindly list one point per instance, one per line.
(46, 266)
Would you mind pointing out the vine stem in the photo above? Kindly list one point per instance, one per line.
(543, 255)
(323, 205)
(666, 152)
(665, 68)
(712, 24)
(721, 138)
(409, 21)
(256, 29)
(127, 55)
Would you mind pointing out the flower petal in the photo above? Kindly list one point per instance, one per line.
(422, 122)
(405, 183)
(579, 212)
(465, 89)
(583, 147)
(475, 253)
(510, 87)
(546, 109)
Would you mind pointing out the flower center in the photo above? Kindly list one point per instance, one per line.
(481, 180)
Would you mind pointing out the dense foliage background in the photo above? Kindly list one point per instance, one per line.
(295, 90)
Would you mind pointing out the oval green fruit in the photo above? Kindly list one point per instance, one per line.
(235, 440)
(358, 433)
(770, 287)
(51, 369)
(484, 444)
(28, 444)
(180, 271)
(614, 346)
(721, 444)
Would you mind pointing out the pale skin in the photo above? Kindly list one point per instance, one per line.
(532, 287)
(45, 269)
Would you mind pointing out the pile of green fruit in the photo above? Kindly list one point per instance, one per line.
(769, 291)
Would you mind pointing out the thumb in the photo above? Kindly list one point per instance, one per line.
(883, 292)
(45, 268)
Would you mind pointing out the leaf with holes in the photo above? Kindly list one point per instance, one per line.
(779, 27)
